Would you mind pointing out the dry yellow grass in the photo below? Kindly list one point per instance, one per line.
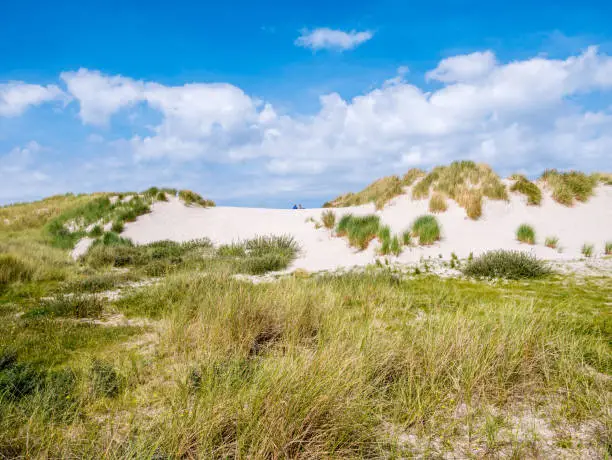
(437, 203)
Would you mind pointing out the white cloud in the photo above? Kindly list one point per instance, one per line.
(16, 97)
(523, 115)
(466, 67)
(324, 38)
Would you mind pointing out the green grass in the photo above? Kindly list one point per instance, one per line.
(587, 250)
(72, 306)
(551, 242)
(261, 254)
(608, 248)
(506, 264)
(427, 229)
(526, 234)
(13, 269)
(527, 188)
(328, 218)
(379, 192)
(360, 230)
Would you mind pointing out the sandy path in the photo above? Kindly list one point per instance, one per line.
(589, 222)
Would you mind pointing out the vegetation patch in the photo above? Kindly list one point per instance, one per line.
(13, 269)
(328, 218)
(608, 248)
(68, 306)
(192, 198)
(426, 229)
(527, 188)
(568, 187)
(437, 203)
(587, 250)
(551, 242)
(261, 254)
(360, 230)
(526, 234)
(506, 264)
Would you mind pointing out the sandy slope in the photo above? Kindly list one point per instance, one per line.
(585, 222)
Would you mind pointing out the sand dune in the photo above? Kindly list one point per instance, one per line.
(589, 222)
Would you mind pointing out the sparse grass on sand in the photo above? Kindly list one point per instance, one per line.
(437, 203)
(587, 250)
(551, 242)
(192, 198)
(427, 229)
(465, 182)
(526, 234)
(569, 186)
(506, 264)
(328, 218)
(527, 188)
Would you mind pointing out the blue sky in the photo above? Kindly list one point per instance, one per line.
(270, 103)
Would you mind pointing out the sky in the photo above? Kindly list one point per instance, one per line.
(273, 103)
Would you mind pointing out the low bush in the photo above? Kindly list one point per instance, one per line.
(506, 264)
(161, 196)
(329, 219)
(551, 242)
(437, 203)
(527, 188)
(526, 234)
(427, 229)
(587, 250)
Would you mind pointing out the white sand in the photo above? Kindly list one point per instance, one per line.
(589, 222)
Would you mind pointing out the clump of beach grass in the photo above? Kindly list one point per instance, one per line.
(437, 203)
(527, 188)
(551, 242)
(360, 230)
(587, 250)
(526, 234)
(608, 248)
(379, 192)
(328, 218)
(426, 229)
(190, 197)
(568, 187)
(506, 264)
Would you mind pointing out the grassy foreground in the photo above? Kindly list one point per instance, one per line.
(199, 363)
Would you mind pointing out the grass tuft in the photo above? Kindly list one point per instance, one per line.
(427, 229)
(551, 242)
(526, 234)
(527, 188)
(587, 250)
(360, 230)
(568, 187)
(608, 248)
(506, 264)
(437, 203)
(329, 219)
(190, 197)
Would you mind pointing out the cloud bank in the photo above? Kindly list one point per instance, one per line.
(324, 38)
(522, 115)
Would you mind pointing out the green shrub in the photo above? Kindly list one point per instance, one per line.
(529, 189)
(437, 203)
(551, 242)
(526, 234)
(329, 219)
(151, 192)
(427, 229)
(587, 250)
(608, 248)
(161, 196)
(506, 264)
